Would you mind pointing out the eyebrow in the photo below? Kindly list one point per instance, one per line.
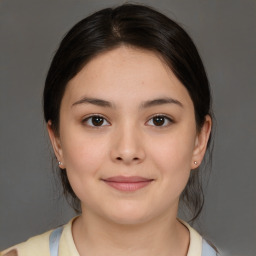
(143, 105)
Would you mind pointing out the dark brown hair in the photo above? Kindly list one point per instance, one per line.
(142, 27)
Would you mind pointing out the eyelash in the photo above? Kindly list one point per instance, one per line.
(158, 115)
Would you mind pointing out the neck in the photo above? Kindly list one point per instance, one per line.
(165, 236)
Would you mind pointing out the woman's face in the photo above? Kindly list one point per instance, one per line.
(128, 137)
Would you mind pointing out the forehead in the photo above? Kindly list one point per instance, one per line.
(126, 73)
(121, 60)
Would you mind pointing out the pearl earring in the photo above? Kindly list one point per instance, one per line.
(195, 162)
(60, 163)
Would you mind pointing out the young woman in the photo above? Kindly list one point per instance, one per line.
(128, 110)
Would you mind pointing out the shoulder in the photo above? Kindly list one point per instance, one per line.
(208, 249)
(198, 245)
(40, 246)
(37, 245)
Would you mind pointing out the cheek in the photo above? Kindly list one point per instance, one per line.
(174, 152)
(172, 157)
(83, 155)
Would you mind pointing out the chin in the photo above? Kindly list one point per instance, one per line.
(129, 217)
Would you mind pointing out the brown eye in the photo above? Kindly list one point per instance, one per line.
(95, 121)
(160, 121)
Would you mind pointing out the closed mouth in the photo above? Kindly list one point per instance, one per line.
(128, 184)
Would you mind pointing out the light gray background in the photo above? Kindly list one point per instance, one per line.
(225, 34)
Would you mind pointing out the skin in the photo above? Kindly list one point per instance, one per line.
(129, 143)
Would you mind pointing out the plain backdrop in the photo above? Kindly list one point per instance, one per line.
(225, 34)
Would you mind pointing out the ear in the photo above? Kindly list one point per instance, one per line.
(56, 144)
(201, 142)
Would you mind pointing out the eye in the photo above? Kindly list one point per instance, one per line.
(95, 121)
(160, 121)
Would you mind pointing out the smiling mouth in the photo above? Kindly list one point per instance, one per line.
(128, 184)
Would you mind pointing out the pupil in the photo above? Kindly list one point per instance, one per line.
(97, 120)
(158, 120)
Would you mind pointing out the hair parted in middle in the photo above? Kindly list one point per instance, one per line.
(141, 27)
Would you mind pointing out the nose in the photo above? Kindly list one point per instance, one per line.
(127, 146)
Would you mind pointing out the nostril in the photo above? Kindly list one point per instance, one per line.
(120, 158)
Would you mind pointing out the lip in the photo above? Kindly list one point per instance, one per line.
(128, 184)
